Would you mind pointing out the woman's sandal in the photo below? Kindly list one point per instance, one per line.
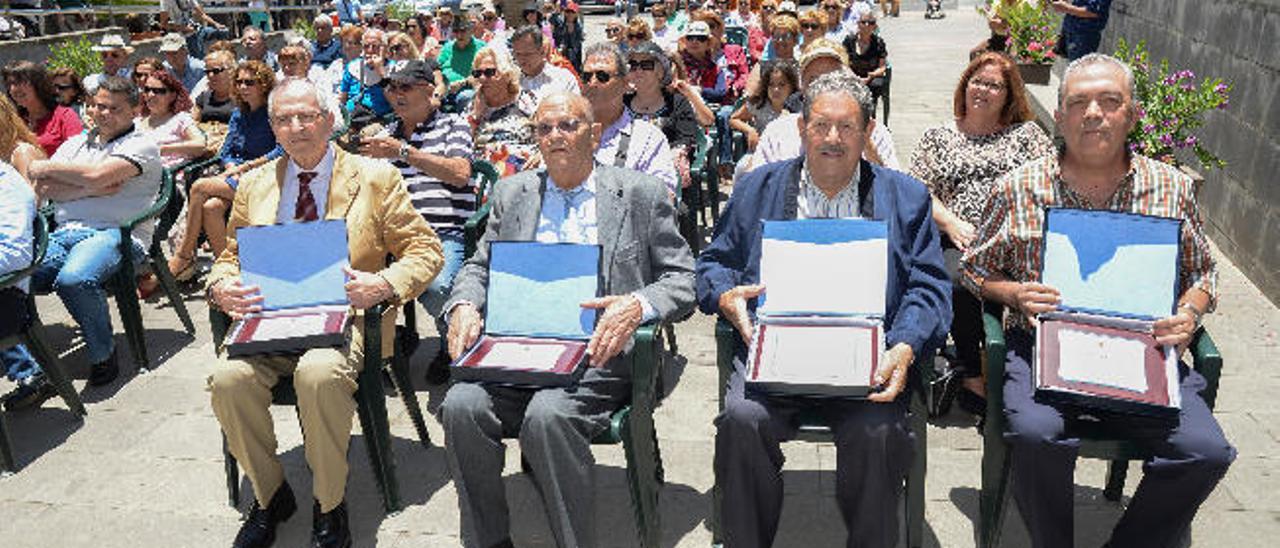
(186, 272)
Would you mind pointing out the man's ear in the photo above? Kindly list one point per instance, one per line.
(1057, 117)
(800, 124)
(597, 131)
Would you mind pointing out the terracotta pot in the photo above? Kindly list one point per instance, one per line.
(1037, 73)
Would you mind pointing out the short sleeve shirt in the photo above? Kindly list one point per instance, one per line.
(138, 192)
(60, 125)
(445, 207)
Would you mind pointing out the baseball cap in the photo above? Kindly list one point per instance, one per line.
(172, 42)
(788, 7)
(820, 48)
(415, 71)
(698, 28)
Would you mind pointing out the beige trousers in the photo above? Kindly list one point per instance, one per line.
(325, 380)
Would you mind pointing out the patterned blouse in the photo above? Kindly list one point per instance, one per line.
(1011, 233)
(961, 170)
(504, 137)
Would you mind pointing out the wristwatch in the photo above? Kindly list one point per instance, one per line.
(404, 151)
(1195, 312)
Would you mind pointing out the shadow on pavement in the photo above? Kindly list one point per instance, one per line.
(34, 432)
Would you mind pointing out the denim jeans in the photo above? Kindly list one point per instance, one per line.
(1081, 43)
(79, 262)
(437, 294)
(203, 35)
(17, 362)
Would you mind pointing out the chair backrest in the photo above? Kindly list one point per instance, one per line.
(40, 243)
(736, 36)
(485, 176)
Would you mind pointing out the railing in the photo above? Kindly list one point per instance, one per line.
(39, 10)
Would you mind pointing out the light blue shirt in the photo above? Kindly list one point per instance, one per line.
(193, 75)
(17, 213)
(648, 151)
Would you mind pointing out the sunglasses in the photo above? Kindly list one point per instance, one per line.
(156, 91)
(564, 126)
(490, 17)
(599, 75)
(246, 82)
(637, 37)
(397, 48)
(767, 9)
(867, 22)
(485, 73)
(831, 8)
(642, 64)
(697, 38)
(785, 37)
(64, 87)
(612, 31)
(809, 26)
(216, 70)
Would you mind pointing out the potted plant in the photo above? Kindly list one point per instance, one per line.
(1033, 33)
(1171, 106)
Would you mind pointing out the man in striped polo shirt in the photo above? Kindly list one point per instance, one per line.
(431, 148)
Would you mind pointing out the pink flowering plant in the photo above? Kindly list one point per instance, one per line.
(1033, 28)
(1171, 106)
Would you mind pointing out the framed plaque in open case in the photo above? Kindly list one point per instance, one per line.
(536, 331)
(298, 270)
(820, 329)
(1117, 274)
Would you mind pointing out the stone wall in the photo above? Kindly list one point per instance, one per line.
(1234, 40)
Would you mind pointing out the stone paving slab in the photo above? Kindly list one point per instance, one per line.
(145, 467)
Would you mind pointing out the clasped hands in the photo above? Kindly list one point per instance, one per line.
(622, 315)
(890, 378)
(1036, 298)
(364, 289)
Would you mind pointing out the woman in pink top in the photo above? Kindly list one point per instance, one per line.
(29, 87)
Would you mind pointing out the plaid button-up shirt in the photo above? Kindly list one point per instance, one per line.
(1011, 234)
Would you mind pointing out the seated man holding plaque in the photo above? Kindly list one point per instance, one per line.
(645, 274)
(873, 440)
(1096, 173)
(313, 181)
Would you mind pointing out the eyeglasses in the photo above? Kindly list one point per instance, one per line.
(867, 22)
(304, 118)
(113, 53)
(767, 9)
(785, 37)
(544, 129)
(490, 17)
(64, 87)
(215, 70)
(246, 82)
(696, 38)
(612, 31)
(156, 91)
(598, 75)
(823, 127)
(397, 48)
(642, 64)
(809, 26)
(637, 37)
(831, 8)
(484, 73)
(994, 87)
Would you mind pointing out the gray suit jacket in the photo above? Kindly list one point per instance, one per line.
(642, 250)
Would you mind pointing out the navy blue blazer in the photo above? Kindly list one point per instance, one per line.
(918, 298)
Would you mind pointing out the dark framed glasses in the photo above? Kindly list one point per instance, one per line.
(642, 64)
(599, 75)
(612, 31)
(867, 22)
(247, 82)
(544, 129)
(809, 26)
(215, 70)
(485, 73)
(697, 38)
(153, 91)
(637, 37)
(64, 87)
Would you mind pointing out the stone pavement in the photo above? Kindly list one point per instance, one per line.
(145, 467)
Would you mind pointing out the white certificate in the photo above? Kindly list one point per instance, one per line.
(517, 355)
(290, 326)
(839, 355)
(1095, 358)
(843, 278)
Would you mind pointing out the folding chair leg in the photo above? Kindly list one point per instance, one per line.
(400, 374)
(233, 475)
(34, 340)
(7, 464)
(371, 405)
(995, 485)
(131, 316)
(1117, 470)
(160, 265)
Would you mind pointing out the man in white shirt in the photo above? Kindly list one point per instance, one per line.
(538, 76)
(115, 61)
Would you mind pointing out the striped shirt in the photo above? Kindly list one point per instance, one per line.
(445, 207)
(1011, 233)
(812, 203)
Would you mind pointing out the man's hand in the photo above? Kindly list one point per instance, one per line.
(236, 299)
(733, 306)
(1176, 330)
(365, 289)
(1035, 298)
(380, 147)
(621, 316)
(891, 376)
(753, 139)
(465, 324)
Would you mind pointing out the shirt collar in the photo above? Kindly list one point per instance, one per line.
(807, 184)
(623, 121)
(1137, 169)
(325, 166)
(588, 185)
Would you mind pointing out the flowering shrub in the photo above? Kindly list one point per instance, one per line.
(1033, 28)
(1171, 105)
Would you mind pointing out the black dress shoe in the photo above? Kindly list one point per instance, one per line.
(259, 529)
(31, 392)
(104, 372)
(329, 529)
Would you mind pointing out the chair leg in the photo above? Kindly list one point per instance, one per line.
(160, 265)
(995, 485)
(131, 315)
(713, 189)
(371, 405)
(34, 339)
(1117, 471)
(7, 463)
(233, 475)
(643, 470)
(915, 498)
(400, 374)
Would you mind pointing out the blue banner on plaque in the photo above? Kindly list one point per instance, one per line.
(824, 267)
(1112, 263)
(295, 264)
(536, 289)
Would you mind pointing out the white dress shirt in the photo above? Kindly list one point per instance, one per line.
(319, 187)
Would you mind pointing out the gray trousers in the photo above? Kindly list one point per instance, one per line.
(1191, 456)
(874, 451)
(555, 427)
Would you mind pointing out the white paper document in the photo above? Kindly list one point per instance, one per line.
(284, 327)
(838, 355)
(518, 355)
(837, 278)
(1105, 360)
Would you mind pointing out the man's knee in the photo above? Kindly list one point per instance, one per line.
(1208, 449)
(214, 206)
(70, 281)
(1040, 425)
(231, 378)
(549, 414)
(742, 415)
(322, 370)
(463, 403)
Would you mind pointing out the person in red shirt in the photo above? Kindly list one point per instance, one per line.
(30, 89)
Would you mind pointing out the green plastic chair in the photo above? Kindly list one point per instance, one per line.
(814, 429)
(1095, 443)
(33, 338)
(736, 36)
(371, 407)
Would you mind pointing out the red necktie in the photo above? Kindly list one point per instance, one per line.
(305, 210)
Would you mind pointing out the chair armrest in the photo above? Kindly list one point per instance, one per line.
(473, 229)
(995, 352)
(699, 161)
(40, 243)
(645, 357)
(1207, 360)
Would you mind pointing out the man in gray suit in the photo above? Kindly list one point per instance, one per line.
(647, 274)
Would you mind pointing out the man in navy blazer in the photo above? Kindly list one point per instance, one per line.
(873, 441)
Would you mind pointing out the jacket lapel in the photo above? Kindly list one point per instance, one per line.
(344, 184)
(610, 213)
(265, 203)
(866, 191)
(527, 210)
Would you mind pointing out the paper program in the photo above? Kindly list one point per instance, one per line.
(1095, 358)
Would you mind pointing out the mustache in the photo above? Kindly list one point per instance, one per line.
(830, 148)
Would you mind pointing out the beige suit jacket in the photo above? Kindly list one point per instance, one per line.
(370, 194)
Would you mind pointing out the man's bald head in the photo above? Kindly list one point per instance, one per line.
(575, 105)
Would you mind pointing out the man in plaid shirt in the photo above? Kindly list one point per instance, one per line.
(1096, 110)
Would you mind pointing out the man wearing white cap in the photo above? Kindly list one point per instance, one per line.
(188, 18)
(115, 61)
(177, 60)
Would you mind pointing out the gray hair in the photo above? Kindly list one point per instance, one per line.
(527, 31)
(650, 49)
(296, 85)
(609, 49)
(251, 29)
(322, 20)
(1095, 59)
(121, 86)
(843, 81)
